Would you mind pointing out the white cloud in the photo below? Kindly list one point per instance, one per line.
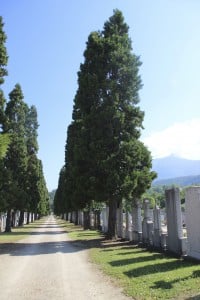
(180, 139)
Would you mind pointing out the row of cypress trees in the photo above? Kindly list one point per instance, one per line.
(22, 183)
(105, 162)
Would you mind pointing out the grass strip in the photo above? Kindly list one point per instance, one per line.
(144, 275)
(19, 233)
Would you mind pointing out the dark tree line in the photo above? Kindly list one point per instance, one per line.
(22, 183)
(104, 159)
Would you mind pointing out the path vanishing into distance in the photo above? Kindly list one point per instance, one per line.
(47, 265)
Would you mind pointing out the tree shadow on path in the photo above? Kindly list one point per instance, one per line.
(40, 248)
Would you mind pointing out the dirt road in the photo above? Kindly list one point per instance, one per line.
(46, 265)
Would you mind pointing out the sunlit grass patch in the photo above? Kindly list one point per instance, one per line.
(149, 275)
(77, 232)
(85, 235)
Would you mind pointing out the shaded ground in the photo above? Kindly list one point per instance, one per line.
(47, 265)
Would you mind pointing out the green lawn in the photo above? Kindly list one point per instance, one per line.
(142, 274)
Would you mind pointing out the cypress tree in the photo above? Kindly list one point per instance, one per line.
(59, 199)
(77, 168)
(31, 125)
(43, 200)
(127, 162)
(16, 157)
(110, 158)
(79, 165)
(4, 138)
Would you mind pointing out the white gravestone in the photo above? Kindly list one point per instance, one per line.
(192, 210)
(174, 221)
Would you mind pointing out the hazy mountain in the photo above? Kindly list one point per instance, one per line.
(180, 181)
(172, 166)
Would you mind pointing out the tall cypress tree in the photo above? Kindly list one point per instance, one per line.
(31, 125)
(126, 163)
(59, 199)
(110, 157)
(16, 111)
(4, 138)
(77, 168)
(79, 164)
(43, 199)
(16, 157)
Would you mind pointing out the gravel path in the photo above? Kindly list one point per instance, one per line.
(46, 265)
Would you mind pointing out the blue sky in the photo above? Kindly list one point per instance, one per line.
(45, 43)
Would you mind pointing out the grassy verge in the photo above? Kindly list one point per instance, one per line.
(19, 233)
(142, 274)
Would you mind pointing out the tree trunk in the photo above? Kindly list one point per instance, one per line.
(8, 221)
(86, 220)
(98, 220)
(66, 216)
(112, 220)
(95, 219)
(21, 218)
(76, 217)
(71, 218)
(28, 216)
(13, 219)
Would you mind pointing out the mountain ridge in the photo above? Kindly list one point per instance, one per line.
(180, 181)
(174, 167)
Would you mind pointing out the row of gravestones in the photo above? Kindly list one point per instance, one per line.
(2, 221)
(3, 217)
(148, 229)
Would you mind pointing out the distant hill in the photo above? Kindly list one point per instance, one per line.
(172, 167)
(180, 181)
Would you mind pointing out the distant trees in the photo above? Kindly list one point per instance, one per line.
(22, 183)
(156, 194)
(104, 159)
(51, 199)
(59, 198)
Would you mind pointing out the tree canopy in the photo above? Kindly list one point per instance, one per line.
(104, 158)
